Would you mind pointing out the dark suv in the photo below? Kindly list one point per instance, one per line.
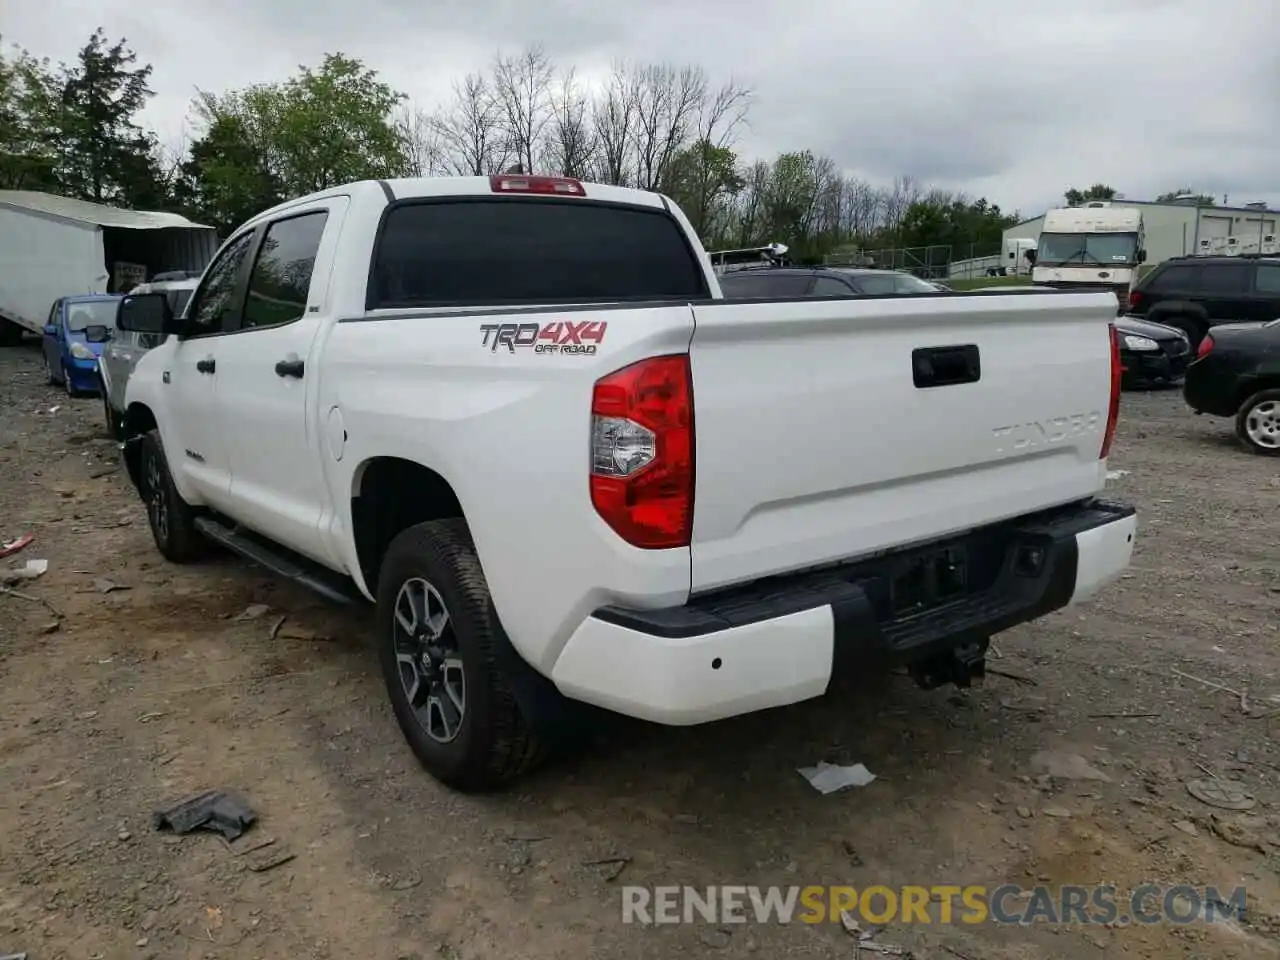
(765, 281)
(1195, 293)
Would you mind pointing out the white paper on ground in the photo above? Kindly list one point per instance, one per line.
(830, 777)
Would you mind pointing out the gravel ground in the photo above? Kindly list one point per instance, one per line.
(126, 683)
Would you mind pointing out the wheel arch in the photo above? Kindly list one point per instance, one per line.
(391, 494)
(136, 422)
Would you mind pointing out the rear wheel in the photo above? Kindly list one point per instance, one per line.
(1258, 423)
(172, 519)
(437, 631)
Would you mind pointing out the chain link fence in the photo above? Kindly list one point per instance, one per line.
(935, 262)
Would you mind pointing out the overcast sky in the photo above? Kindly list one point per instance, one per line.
(1012, 100)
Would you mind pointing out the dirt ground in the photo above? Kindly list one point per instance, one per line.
(147, 686)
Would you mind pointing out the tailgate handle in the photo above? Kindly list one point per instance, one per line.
(945, 366)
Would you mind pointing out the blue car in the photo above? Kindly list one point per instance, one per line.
(74, 335)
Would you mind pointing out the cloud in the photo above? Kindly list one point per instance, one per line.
(1013, 101)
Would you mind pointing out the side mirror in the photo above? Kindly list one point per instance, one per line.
(1031, 257)
(1142, 256)
(145, 313)
(97, 333)
(51, 329)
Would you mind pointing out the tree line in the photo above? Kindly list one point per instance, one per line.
(72, 129)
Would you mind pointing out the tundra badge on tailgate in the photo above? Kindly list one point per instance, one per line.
(563, 336)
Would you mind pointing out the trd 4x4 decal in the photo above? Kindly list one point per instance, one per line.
(562, 336)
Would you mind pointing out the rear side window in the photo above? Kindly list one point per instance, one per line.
(746, 286)
(1173, 278)
(1268, 278)
(1223, 278)
(488, 252)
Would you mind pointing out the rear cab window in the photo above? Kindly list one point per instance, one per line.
(494, 251)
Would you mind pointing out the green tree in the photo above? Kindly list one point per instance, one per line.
(29, 108)
(1099, 191)
(269, 142)
(1200, 199)
(954, 221)
(700, 178)
(104, 155)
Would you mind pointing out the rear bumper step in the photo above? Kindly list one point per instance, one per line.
(781, 640)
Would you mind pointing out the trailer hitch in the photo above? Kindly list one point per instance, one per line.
(959, 665)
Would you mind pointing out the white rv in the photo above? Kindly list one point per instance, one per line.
(1096, 245)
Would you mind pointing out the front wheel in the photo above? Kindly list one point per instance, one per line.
(172, 519)
(1258, 423)
(1193, 330)
(437, 631)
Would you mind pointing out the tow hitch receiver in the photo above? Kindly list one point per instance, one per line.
(959, 665)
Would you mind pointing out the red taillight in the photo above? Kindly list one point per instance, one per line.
(642, 452)
(1205, 346)
(1135, 300)
(1113, 414)
(555, 186)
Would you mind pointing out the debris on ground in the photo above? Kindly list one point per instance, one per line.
(1117, 474)
(610, 868)
(13, 546)
(224, 812)
(252, 612)
(830, 777)
(31, 570)
(1066, 766)
(103, 585)
(1222, 794)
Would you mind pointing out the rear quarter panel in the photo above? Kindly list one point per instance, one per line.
(510, 431)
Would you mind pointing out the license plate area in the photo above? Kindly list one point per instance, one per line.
(928, 578)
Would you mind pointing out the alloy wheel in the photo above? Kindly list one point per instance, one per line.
(429, 662)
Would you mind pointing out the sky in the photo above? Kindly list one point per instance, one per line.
(1010, 100)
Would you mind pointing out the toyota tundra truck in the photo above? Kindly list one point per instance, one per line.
(516, 414)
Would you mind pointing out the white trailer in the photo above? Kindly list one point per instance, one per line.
(53, 247)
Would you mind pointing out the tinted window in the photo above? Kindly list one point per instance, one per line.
(905, 283)
(483, 252)
(1173, 278)
(212, 304)
(281, 278)
(1268, 280)
(1223, 278)
(744, 286)
(831, 287)
(876, 284)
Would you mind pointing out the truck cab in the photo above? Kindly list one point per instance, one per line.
(1098, 246)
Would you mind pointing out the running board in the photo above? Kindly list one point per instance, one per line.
(332, 586)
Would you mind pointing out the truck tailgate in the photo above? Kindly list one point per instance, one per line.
(819, 436)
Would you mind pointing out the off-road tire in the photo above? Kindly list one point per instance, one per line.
(493, 745)
(176, 536)
(1195, 331)
(1248, 409)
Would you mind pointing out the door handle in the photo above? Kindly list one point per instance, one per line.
(206, 365)
(289, 368)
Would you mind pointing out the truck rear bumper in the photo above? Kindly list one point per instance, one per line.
(781, 640)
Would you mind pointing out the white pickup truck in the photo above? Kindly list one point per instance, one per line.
(516, 414)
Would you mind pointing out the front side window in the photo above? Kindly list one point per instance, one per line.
(213, 304)
(281, 280)
(831, 287)
(1268, 278)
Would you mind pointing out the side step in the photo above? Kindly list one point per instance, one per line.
(332, 586)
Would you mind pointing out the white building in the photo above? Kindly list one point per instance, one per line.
(1175, 229)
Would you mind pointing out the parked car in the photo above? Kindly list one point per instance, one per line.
(1195, 294)
(361, 368)
(125, 347)
(1237, 374)
(75, 333)
(773, 282)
